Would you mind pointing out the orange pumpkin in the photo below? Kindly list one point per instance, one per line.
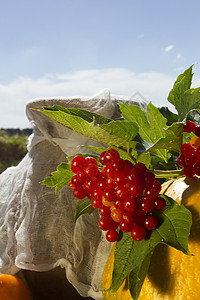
(13, 288)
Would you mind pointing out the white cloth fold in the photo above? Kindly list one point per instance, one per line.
(37, 228)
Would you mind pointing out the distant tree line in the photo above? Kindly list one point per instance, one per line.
(13, 148)
(13, 131)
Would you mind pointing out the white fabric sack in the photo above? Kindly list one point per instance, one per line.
(37, 228)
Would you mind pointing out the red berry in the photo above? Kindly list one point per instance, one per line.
(109, 194)
(135, 176)
(96, 202)
(90, 160)
(198, 154)
(91, 170)
(190, 159)
(157, 186)
(111, 155)
(77, 163)
(147, 204)
(81, 175)
(75, 180)
(136, 190)
(181, 160)
(97, 194)
(141, 167)
(197, 168)
(197, 130)
(90, 185)
(187, 149)
(139, 217)
(106, 223)
(126, 223)
(120, 178)
(104, 210)
(127, 165)
(151, 223)
(189, 126)
(109, 171)
(126, 226)
(118, 164)
(102, 159)
(159, 203)
(130, 204)
(189, 171)
(71, 185)
(101, 183)
(118, 203)
(138, 233)
(79, 192)
(149, 178)
(151, 193)
(112, 235)
(111, 183)
(122, 192)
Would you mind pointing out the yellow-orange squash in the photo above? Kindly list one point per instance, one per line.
(13, 288)
(172, 275)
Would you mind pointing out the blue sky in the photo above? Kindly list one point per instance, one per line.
(78, 47)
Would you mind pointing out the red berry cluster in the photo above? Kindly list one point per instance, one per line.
(189, 159)
(125, 194)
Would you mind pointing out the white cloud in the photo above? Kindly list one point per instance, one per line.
(178, 56)
(169, 48)
(153, 86)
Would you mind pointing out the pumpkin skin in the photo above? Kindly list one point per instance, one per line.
(172, 275)
(13, 288)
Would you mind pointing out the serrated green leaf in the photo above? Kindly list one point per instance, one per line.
(83, 206)
(136, 280)
(122, 129)
(98, 150)
(59, 178)
(151, 128)
(145, 158)
(182, 97)
(130, 256)
(84, 114)
(182, 84)
(88, 129)
(172, 140)
(176, 223)
(170, 116)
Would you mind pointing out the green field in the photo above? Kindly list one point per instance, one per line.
(13, 144)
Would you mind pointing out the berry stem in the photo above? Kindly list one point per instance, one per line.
(167, 173)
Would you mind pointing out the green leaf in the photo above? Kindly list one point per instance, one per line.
(84, 114)
(83, 206)
(98, 150)
(145, 158)
(176, 223)
(170, 116)
(122, 129)
(182, 97)
(136, 280)
(172, 140)
(59, 178)
(129, 256)
(100, 133)
(182, 84)
(151, 128)
(132, 257)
